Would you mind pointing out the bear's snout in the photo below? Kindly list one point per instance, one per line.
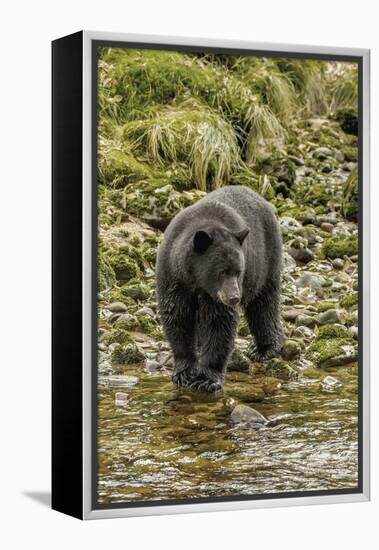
(229, 294)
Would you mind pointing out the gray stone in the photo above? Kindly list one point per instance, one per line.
(330, 316)
(118, 380)
(152, 366)
(338, 263)
(330, 384)
(328, 227)
(306, 320)
(311, 280)
(243, 414)
(288, 225)
(354, 332)
(145, 311)
(303, 332)
(117, 307)
(301, 255)
(322, 153)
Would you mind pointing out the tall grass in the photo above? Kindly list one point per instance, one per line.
(190, 133)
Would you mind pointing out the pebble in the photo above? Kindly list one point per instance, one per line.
(243, 414)
(121, 399)
(338, 263)
(117, 307)
(330, 384)
(145, 311)
(322, 153)
(328, 227)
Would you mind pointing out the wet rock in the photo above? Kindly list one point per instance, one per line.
(290, 349)
(333, 352)
(118, 380)
(152, 366)
(280, 369)
(311, 280)
(330, 316)
(104, 367)
(243, 414)
(238, 361)
(121, 399)
(229, 403)
(330, 384)
(117, 307)
(166, 359)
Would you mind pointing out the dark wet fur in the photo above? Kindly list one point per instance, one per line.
(202, 253)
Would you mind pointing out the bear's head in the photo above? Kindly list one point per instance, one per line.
(219, 263)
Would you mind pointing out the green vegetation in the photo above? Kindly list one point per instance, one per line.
(338, 247)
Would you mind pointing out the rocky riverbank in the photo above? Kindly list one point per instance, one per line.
(151, 433)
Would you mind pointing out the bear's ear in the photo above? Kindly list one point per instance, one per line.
(201, 241)
(241, 235)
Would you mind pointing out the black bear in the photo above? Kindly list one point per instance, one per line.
(222, 252)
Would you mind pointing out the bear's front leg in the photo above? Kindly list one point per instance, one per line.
(217, 327)
(263, 317)
(177, 308)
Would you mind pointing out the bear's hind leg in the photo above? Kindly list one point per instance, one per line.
(177, 314)
(263, 317)
(217, 328)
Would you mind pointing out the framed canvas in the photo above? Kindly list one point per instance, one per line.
(210, 275)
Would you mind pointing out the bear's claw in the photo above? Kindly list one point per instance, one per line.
(261, 354)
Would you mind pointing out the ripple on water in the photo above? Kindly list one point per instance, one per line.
(171, 444)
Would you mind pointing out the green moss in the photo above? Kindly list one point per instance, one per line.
(124, 267)
(325, 306)
(106, 276)
(333, 331)
(119, 336)
(349, 300)
(337, 247)
(327, 352)
(136, 290)
(280, 369)
(126, 354)
(349, 207)
(149, 326)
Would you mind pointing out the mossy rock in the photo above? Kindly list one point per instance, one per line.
(325, 306)
(149, 326)
(349, 300)
(280, 369)
(105, 276)
(332, 352)
(126, 354)
(118, 336)
(333, 331)
(349, 207)
(238, 361)
(136, 290)
(283, 169)
(337, 247)
(118, 168)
